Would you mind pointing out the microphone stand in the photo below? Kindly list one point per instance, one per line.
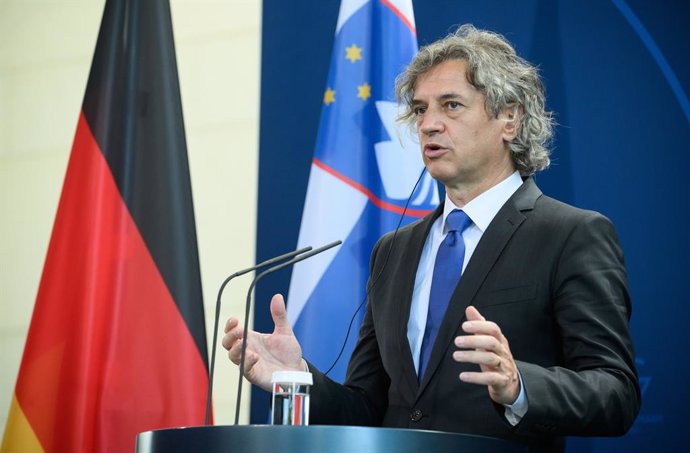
(217, 317)
(247, 306)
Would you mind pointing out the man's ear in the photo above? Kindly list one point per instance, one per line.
(511, 116)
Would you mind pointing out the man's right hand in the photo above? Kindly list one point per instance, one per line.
(265, 353)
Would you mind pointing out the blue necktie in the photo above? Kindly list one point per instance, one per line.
(447, 270)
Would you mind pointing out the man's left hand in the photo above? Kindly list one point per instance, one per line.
(486, 346)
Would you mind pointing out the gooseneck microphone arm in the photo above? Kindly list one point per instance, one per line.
(268, 262)
(247, 307)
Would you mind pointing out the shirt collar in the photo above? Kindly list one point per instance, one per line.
(483, 208)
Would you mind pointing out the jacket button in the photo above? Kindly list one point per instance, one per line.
(416, 415)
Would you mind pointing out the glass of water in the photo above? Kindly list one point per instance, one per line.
(290, 402)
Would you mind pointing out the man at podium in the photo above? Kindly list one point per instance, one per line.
(503, 313)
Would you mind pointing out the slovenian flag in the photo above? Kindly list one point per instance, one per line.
(117, 342)
(364, 168)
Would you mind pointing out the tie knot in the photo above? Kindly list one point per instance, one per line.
(457, 220)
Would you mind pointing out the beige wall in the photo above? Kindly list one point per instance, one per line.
(45, 54)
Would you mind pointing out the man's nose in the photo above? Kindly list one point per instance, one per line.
(431, 123)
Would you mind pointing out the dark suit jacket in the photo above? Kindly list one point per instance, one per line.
(552, 277)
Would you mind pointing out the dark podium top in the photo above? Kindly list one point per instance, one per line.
(315, 439)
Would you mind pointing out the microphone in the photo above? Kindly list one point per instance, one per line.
(217, 317)
(300, 256)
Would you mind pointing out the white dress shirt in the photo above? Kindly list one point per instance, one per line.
(481, 210)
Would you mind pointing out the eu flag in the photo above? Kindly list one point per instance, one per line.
(363, 171)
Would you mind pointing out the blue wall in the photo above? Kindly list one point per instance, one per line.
(618, 77)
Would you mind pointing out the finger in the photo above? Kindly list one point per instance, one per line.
(489, 378)
(230, 324)
(279, 315)
(485, 342)
(235, 352)
(482, 328)
(473, 314)
(228, 341)
(231, 337)
(488, 359)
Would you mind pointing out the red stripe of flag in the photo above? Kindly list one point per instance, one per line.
(373, 198)
(400, 15)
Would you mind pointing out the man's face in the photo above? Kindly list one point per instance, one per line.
(462, 145)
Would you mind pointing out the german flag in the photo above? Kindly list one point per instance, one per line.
(117, 344)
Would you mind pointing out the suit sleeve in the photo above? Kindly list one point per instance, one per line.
(362, 400)
(595, 391)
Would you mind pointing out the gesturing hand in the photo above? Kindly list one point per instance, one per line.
(265, 353)
(487, 347)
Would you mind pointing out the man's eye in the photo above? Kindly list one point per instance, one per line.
(454, 105)
(419, 110)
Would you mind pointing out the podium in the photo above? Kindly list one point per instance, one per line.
(315, 439)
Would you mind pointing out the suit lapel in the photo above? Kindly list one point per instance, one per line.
(492, 243)
(411, 255)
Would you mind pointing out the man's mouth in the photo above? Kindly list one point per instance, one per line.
(432, 150)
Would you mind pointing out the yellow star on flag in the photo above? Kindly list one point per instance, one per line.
(353, 53)
(364, 91)
(329, 97)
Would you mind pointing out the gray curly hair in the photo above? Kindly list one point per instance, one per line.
(505, 79)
